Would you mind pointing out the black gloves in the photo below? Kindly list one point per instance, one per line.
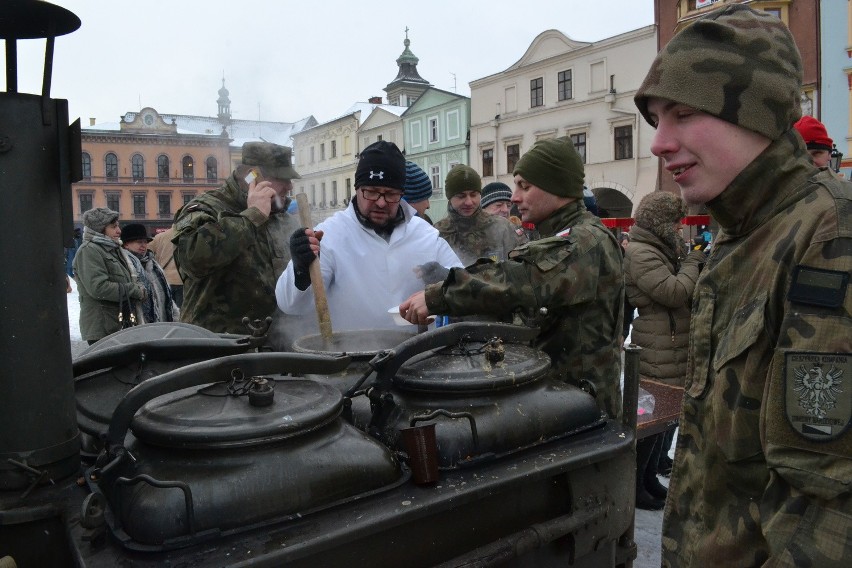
(302, 257)
(432, 272)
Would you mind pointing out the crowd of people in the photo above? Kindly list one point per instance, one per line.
(754, 323)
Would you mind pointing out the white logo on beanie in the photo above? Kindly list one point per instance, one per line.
(380, 175)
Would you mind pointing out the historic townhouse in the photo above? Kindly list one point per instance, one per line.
(436, 130)
(148, 165)
(327, 154)
(562, 87)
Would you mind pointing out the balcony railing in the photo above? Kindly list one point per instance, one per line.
(128, 180)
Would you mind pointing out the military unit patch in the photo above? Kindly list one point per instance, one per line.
(818, 287)
(818, 394)
(564, 232)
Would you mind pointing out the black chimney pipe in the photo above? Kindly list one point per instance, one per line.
(39, 440)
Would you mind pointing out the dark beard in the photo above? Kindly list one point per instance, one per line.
(383, 231)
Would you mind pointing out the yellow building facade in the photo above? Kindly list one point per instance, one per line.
(146, 169)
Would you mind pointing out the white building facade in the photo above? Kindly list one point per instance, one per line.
(326, 156)
(561, 87)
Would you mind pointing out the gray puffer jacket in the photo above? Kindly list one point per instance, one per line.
(660, 287)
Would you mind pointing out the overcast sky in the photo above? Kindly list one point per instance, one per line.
(284, 60)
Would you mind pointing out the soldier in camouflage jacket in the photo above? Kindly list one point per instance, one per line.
(569, 283)
(231, 243)
(470, 231)
(763, 467)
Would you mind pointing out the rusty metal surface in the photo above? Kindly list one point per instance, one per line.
(667, 404)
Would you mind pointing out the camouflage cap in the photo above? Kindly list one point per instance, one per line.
(736, 63)
(273, 159)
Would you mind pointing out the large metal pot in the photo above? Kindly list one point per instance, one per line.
(107, 370)
(361, 346)
(229, 456)
(487, 393)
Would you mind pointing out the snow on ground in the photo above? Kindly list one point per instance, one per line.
(74, 312)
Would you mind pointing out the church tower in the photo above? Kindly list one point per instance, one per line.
(224, 105)
(408, 85)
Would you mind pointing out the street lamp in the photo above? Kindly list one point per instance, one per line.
(836, 157)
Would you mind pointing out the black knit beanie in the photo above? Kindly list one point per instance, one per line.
(382, 165)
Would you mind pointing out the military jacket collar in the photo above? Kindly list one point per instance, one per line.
(768, 185)
(561, 219)
(462, 224)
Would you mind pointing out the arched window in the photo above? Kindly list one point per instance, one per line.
(212, 169)
(111, 163)
(87, 166)
(188, 173)
(137, 166)
(163, 168)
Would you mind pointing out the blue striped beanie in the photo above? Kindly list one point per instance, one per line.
(418, 187)
(494, 192)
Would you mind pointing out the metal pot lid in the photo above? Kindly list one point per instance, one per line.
(158, 330)
(214, 416)
(361, 343)
(99, 393)
(473, 367)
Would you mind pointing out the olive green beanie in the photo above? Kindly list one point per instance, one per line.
(553, 165)
(460, 179)
(736, 63)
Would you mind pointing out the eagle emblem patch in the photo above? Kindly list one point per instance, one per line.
(818, 394)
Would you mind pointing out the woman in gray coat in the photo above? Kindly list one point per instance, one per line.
(103, 278)
(659, 278)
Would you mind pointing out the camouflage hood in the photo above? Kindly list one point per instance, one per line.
(752, 197)
(735, 63)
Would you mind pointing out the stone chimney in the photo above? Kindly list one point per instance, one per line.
(92, 121)
(375, 100)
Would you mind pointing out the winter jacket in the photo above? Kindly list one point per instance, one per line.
(660, 286)
(229, 257)
(479, 236)
(365, 275)
(569, 284)
(763, 466)
(103, 280)
(164, 253)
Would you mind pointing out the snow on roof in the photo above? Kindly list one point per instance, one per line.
(108, 126)
(240, 131)
(365, 109)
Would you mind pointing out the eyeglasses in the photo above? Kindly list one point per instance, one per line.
(373, 195)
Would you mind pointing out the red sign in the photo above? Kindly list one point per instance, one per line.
(627, 222)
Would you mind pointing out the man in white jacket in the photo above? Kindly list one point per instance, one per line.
(375, 253)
